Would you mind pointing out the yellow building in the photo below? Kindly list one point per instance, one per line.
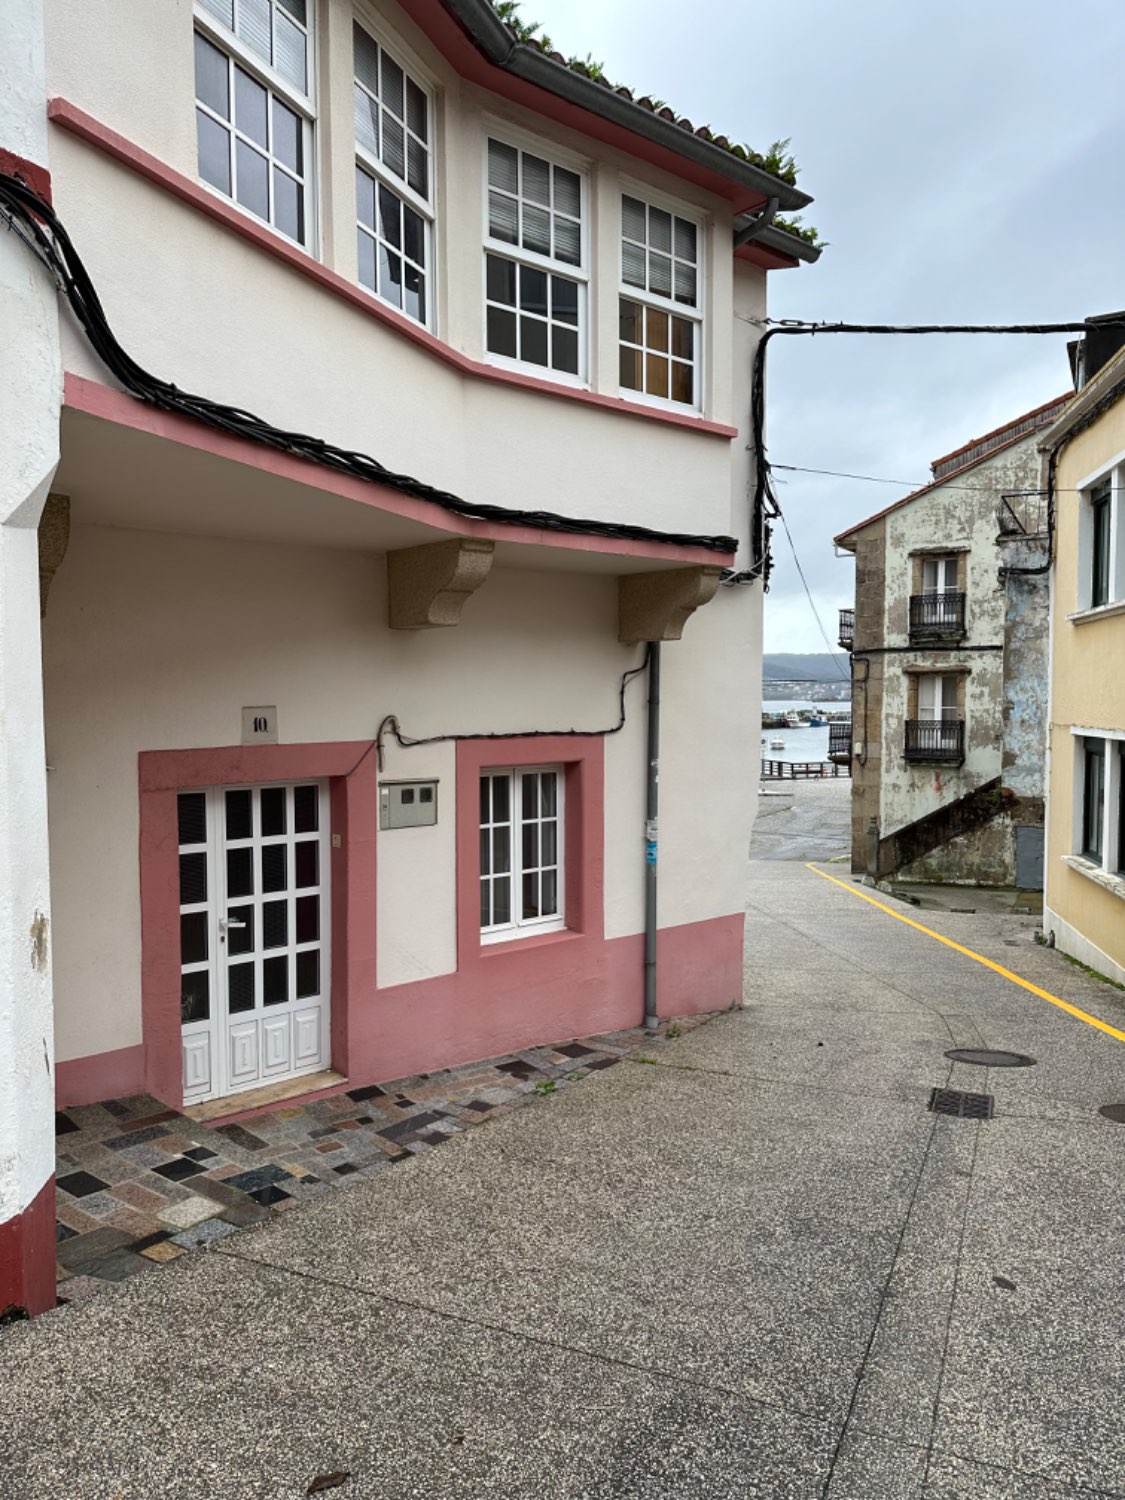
(1085, 886)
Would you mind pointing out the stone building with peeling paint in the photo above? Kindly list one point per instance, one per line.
(948, 642)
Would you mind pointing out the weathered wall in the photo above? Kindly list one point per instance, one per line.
(867, 695)
(986, 856)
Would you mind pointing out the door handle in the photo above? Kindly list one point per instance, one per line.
(226, 923)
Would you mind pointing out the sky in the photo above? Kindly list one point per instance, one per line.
(967, 158)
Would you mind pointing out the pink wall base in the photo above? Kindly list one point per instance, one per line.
(27, 1256)
(106, 1075)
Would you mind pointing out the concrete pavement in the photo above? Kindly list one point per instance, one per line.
(756, 1267)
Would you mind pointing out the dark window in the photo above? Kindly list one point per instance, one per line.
(1099, 577)
(1121, 808)
(1093, 800)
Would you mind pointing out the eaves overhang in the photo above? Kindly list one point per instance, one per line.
(1093, 393)
(474, 39)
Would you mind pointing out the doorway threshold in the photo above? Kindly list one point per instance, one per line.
(270, 1093)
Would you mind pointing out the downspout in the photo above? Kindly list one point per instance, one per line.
(652, 799)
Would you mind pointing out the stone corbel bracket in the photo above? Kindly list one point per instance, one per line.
(657, 606)
(54, 537)
(427, 586)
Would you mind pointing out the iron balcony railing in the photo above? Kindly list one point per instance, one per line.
(935, 740)
(1023, 513)
(937, 616)
(840, 743)
(847, 628)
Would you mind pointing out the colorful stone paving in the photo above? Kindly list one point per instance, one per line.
(139, 1184)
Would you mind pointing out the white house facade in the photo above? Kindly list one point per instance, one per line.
(494, 322)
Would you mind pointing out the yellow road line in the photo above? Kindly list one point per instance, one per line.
(1024, 984)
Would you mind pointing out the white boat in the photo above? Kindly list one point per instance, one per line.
(794, 721)
(777, 744)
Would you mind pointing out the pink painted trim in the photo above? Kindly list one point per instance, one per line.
(105, 1075)
(37, 178)
(94, 133)
(109, 405)
(350, 767)
(27, 1255)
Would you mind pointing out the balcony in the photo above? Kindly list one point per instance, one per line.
(935, 741)
(840, 743)
(937, 617)
(1023, 514)
(847, 628)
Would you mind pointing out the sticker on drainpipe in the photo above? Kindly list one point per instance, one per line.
(650, 841)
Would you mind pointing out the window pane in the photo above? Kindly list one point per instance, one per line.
(417, 167)
(683, 338)
(536, 229)
(275, 924)
(273, 810)
(502, 900)
(536, 179)
(306, 809)
(531, 846)
(365, 199)
(564, 300)
(394, 145)
(254, 26)
(414, 297)
(630, 321)
(502, 849)
(193, 879)
(240, 988)
(308, 919)
(288, 206)
(416, 110)
(414, 236)
(549, 893)
(390, 276)
(296, 9)
(253, 180)
(685, 240)
(503, 166)
(191, 815)
(501, 799)
(630, 369)
(656, 375)
(501, 332)
(501, 281)
(685, 284)
(503, 218)
(486, 903)
(307, 859)
(250, 108)
(549, 853)
(659, 229)
(195, 996)
(568, 192)
(240, 872)
(212, 77)
(365, 247)
(530, 796)
(564, 351)
(531, 897)
(366, 121)
(394, 86)
(533, 341)
(533, 290)
(633, 219)
(308, 974)
(241, 939)
(193, 937)
(239, 814)
(275, 981)
(568, 240)
(660, 275)
(366, 59)
(656, 330)
(485, 852)
(485, 799)
(632, 265)
(223, 9)
(274, 865)
(548, 785)
(289, 57)
(390, 218)
(683, 383)
(214, 152)
(287, 137)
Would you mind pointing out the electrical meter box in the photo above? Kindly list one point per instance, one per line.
(407, 804)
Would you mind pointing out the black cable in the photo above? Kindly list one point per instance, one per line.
(408, 742)
(34, 220)
(812, 603)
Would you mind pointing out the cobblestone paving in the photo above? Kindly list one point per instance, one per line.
(139, 1184)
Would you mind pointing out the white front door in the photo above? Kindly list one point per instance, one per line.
(254, 927)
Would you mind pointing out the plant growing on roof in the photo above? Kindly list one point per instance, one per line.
(525, 31)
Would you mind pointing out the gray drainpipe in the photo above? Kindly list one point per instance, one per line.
(652, 799)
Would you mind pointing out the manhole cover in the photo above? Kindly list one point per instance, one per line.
(961, 1105)
(981, 1057)
(1114, 1112)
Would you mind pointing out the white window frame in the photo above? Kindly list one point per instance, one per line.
(524, 144)
(1113, 856)
(303, 105)
(943, 681)
(371, 164)
(1114, 472)
(695, 315)
(521, 926)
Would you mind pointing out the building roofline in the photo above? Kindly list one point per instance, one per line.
(1094, 391)
(935, 484)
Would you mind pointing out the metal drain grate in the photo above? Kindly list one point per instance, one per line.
(961, 1105)
(982, 1057)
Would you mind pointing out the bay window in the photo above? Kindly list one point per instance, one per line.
(535, 281)
(521, 841)
(659, 309)
(254, 107)
(394, 180)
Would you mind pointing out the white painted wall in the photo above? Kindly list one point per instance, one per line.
(30, 390)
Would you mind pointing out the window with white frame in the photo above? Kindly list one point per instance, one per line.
(521, 869)
(394, 179)
(1099, 834)
(535, 314)
(254, 109)
(661, 322)
(1101, 542)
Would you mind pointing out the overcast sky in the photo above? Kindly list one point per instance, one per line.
(967, 158)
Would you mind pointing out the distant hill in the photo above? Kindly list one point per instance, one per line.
(815, 666)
